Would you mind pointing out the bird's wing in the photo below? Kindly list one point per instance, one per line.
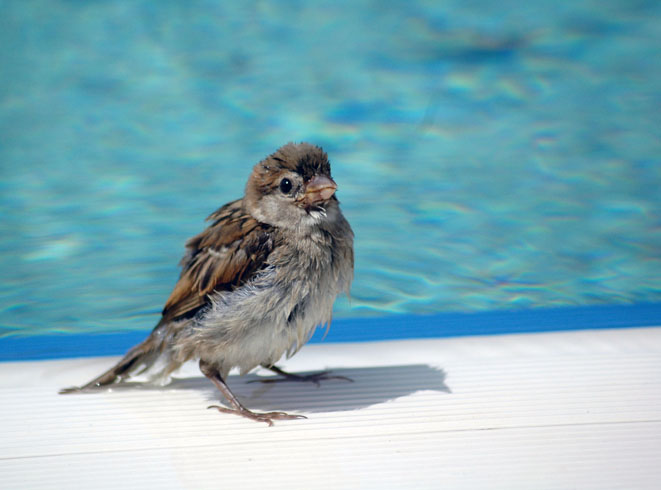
(224, 256)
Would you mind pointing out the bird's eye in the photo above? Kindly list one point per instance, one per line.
(285, 186)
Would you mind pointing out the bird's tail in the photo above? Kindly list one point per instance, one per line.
(140, 358)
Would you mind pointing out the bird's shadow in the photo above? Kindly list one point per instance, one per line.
(368, 386)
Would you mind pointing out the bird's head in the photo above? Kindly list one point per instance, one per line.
(292, 188)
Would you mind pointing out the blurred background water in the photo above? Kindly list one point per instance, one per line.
(489, 155)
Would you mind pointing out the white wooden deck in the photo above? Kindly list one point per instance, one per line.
(563, 410)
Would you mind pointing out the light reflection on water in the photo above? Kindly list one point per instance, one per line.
(487, 157)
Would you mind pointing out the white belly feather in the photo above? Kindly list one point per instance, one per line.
(273, 314)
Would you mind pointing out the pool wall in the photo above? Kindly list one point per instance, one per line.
(394, 327)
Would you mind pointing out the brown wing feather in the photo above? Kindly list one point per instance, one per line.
(224, 256)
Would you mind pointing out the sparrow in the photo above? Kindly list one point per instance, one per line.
(256, 283)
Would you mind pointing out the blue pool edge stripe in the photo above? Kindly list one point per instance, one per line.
(394, 327)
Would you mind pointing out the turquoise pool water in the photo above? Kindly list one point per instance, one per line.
(490, 156)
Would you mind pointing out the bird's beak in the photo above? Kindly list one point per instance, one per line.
(320, 188)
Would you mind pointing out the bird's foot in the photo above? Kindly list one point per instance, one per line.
(310, 378)
(267, 417)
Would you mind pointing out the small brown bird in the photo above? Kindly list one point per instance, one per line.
(256, 283)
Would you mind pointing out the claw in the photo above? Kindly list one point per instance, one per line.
(71, 389)
(313, 378)
(267, 417)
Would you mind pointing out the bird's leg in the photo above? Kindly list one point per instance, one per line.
(237, 408)
(312, 378)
